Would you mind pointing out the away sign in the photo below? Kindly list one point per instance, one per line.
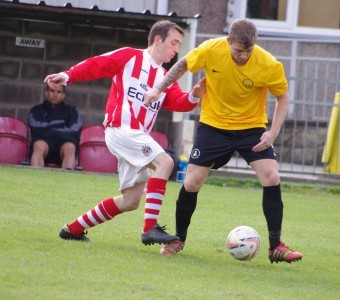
(27, 42)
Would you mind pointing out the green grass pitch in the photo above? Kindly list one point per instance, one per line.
(36, 264)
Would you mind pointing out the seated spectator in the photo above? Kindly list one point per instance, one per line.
(55, 130)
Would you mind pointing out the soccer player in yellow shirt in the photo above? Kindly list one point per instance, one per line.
(233, 118)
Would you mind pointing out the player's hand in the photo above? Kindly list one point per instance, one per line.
(199, 88)
(151, 96)
(55, 80)
(266, 141)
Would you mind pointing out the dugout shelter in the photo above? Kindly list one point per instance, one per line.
(40, 39)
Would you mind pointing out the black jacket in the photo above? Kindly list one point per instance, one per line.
(61, 122)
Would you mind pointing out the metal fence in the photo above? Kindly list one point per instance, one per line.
(313, 71)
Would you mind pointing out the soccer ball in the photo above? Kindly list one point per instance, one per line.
(243, 243)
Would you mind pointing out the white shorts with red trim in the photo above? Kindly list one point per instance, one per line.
(134, 149)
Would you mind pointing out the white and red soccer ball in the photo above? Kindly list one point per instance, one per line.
(243, 243)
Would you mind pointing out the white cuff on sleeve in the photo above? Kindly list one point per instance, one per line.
(192, 98)
(66, 78)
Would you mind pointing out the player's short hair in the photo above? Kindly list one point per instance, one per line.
(162, 29)
(243, 31)
(48, 87)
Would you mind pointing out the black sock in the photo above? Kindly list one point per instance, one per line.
(273, 210)
(185, 207)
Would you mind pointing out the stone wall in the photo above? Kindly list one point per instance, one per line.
(213, 13)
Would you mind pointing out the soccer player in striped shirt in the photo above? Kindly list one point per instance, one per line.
(128, 122)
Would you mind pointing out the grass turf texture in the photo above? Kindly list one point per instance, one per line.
(36, 264)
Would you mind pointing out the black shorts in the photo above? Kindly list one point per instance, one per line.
(215, 147)
(54, 146)
(53, 155)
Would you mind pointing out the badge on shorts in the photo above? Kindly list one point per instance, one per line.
(195, 153)
(146, 150)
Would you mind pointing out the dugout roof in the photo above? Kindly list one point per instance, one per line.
(88, 17)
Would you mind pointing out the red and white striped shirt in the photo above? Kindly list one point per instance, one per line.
(133, 72)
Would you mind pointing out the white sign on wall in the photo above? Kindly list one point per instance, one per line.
(28, 42)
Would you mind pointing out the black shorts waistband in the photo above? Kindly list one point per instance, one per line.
(254, 129)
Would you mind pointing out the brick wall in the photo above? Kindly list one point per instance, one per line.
(22, 69)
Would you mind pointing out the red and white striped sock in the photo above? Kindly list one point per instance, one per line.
(155, 191)
(104, 211)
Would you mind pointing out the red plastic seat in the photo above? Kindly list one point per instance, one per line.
(94, 156)
(160, 138)
(13, 141)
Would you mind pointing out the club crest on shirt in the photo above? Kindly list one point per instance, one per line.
(248, 83)
(146, 150)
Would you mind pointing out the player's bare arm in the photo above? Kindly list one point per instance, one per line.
(280, 113)
(176, 72)
(199, 88)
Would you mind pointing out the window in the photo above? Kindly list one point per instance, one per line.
(267, 10)
(304, 17)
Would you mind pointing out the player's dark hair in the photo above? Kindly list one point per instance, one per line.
(243, 31)
(48, 87)
(162, 28)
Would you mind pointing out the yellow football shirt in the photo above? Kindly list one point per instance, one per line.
(236, 95)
